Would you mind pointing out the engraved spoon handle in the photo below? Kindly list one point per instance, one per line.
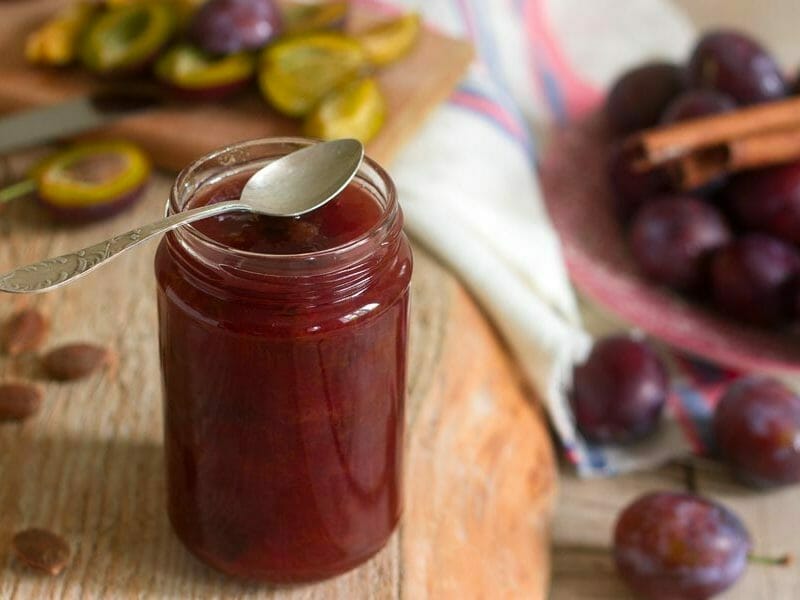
(55, 272)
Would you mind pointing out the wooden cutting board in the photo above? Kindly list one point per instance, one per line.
(178, 134)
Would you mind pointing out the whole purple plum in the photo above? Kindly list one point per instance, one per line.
(733, 63)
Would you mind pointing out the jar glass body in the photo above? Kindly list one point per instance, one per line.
(284, 384)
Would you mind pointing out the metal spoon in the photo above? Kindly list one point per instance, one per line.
(288, 187)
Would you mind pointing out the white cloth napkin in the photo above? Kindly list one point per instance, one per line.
(467, 182)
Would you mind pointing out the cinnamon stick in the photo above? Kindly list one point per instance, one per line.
(761, 150)
(665, 144)
(699, 168)
(703, 165)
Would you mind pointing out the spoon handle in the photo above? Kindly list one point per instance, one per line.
(55, 272)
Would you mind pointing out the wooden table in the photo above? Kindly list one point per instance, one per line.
(480, 471)
(583, 569)
(587, 509)
(89, 466)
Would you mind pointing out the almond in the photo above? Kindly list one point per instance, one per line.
(42, 550)
(75, 361)
(19, 401)
(24, 331)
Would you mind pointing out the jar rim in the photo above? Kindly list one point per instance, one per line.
(388, 202)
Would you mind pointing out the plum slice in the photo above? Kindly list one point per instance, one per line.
(301, 16)
(356, 110)
(92, 180)
(299, 71)
(386, 42)
(56, 42)
(194, 74)
(127, 38)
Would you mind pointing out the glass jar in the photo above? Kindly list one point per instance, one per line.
(284, 383)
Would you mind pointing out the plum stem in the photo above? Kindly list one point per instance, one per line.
(773, 561)
(17, 190)
(783, 560)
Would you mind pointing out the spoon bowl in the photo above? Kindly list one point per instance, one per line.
(290, 186)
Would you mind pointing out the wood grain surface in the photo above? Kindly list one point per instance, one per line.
(480, 475)
(177, 134)
(582, 564)
(583, 568)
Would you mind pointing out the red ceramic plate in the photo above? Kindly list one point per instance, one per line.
(579, 200)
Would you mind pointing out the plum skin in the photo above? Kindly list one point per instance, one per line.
(752, 276)
(632, 188)
(228, 26)
(757, 431)
(673, 237)
(619, 392)
(75, 215)
(694, 104)
(639, 96)
(768, 200)
(670, 545)
(733, 63)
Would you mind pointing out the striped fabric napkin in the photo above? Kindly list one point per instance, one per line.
(470, 194)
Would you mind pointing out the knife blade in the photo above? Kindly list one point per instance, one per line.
(36, 126)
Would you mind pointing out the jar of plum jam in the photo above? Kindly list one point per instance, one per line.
(283, 353)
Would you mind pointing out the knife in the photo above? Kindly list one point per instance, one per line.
(28, 128)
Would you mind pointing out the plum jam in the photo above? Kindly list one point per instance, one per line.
(283, 354)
